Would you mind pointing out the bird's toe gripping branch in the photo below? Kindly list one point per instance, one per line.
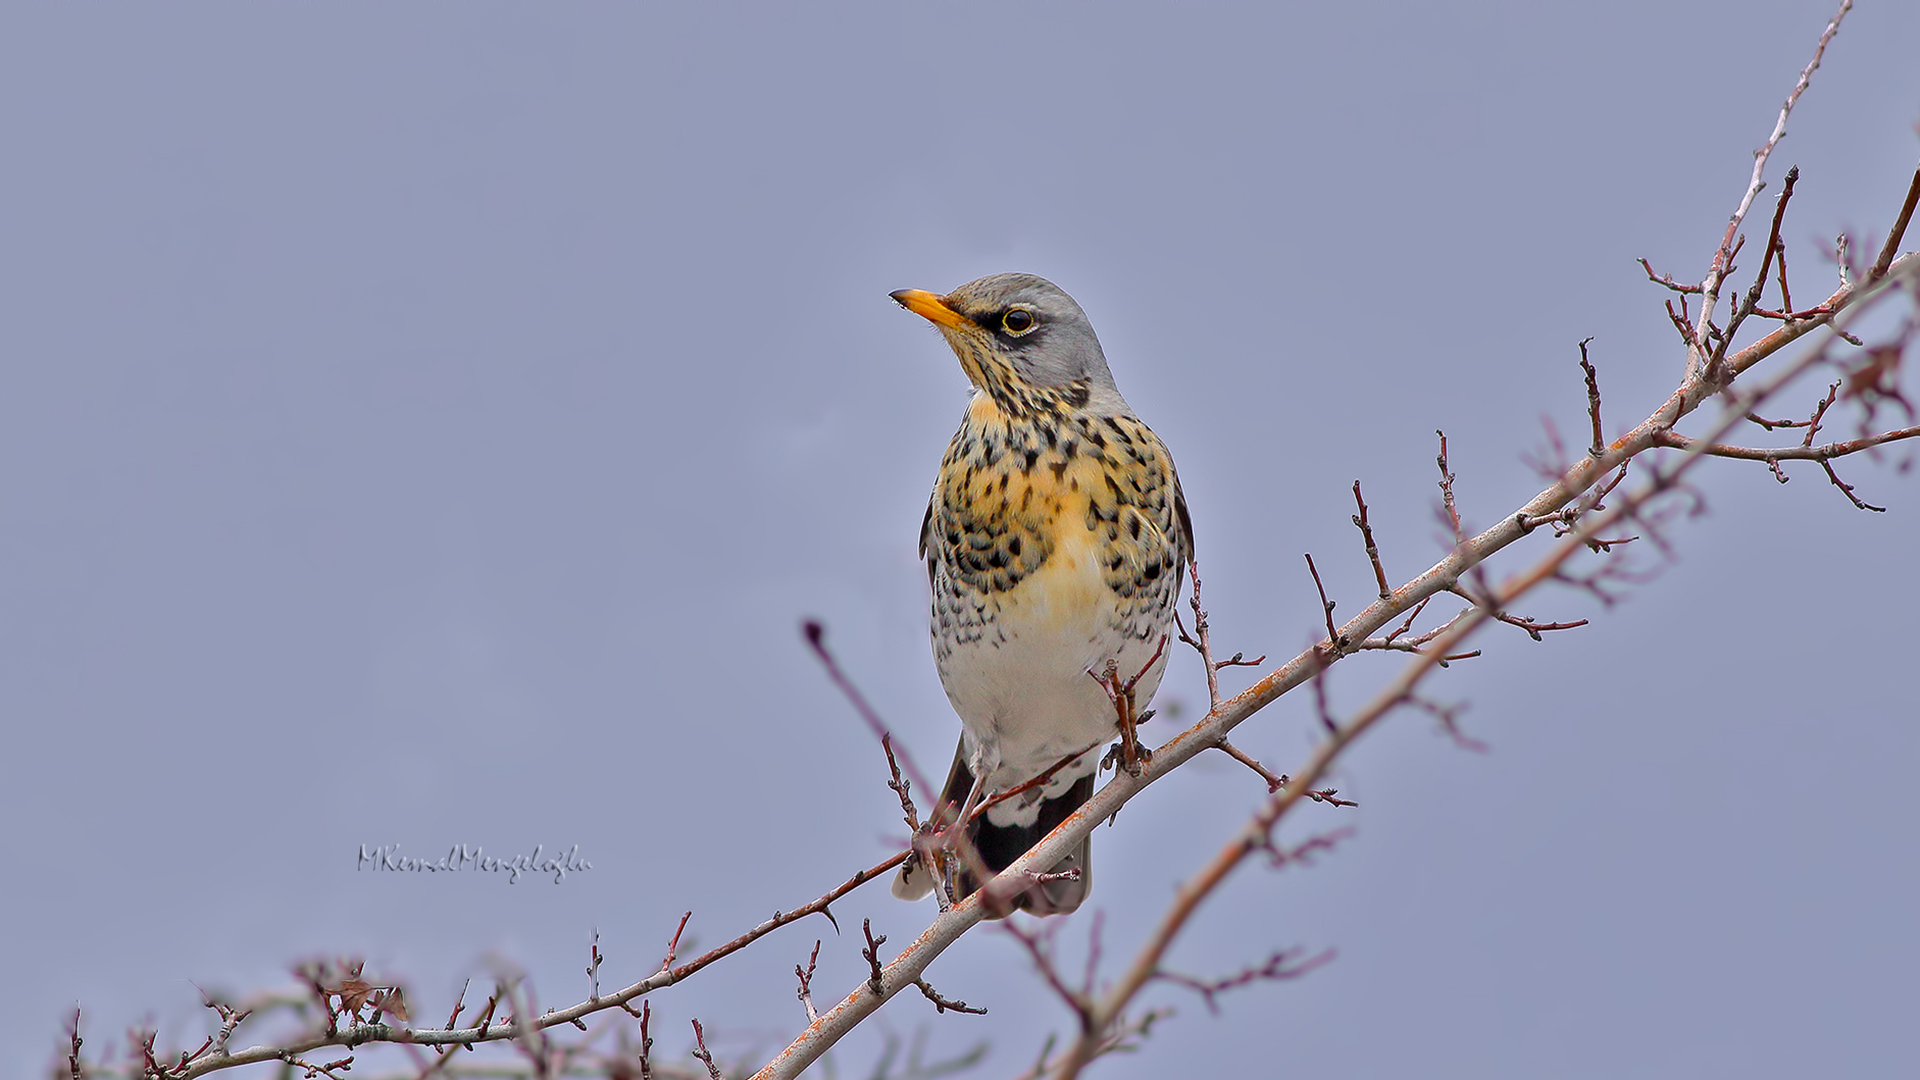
(1131, 753)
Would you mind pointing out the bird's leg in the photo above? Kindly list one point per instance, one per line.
(1132, 755)
(982, 763)
(974, 795)
(948, 852)
(930, 852)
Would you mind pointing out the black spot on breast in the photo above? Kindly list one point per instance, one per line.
(1059, 468)
(1013, 547)
(1032, 456)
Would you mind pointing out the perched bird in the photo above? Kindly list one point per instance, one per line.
(1055, 543)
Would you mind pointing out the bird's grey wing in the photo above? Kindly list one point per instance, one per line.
(926, 533)
(1184, 541)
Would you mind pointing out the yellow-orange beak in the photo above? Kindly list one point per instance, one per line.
(932, 308)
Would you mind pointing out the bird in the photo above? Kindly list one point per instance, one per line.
(1055, 542)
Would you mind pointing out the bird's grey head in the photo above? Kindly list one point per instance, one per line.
(1016, 333)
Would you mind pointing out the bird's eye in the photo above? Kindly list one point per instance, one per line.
(1017, 321)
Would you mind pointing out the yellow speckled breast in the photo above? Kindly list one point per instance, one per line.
(1053, 496)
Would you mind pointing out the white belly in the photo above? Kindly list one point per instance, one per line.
(1025, 688)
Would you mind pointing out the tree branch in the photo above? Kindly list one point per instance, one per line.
(1211, 731)
(1401, 692)
(1701, 355)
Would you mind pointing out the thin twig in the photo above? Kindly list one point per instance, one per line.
(1201, 642)
(942, 1004)
(1723, 259)
(1899, 231)
(1824, 452)
(1446, 493)
(1395, 642)
(1598, 448)
(1662, 279)
(593, 967)
(706, 1056)
(806, 982)
(901, 787)
(1373, 551)
(816, 634)
(646, 1041)
(1334, 641)
(1752, 300)
(1533, 627)
(1282, 965)
(871, 954)
(1275, 783)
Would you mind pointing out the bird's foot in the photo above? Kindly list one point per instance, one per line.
(1132, 754)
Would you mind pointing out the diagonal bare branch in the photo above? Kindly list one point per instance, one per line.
(1212, 730)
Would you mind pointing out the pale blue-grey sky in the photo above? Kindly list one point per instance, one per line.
(428, 424)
